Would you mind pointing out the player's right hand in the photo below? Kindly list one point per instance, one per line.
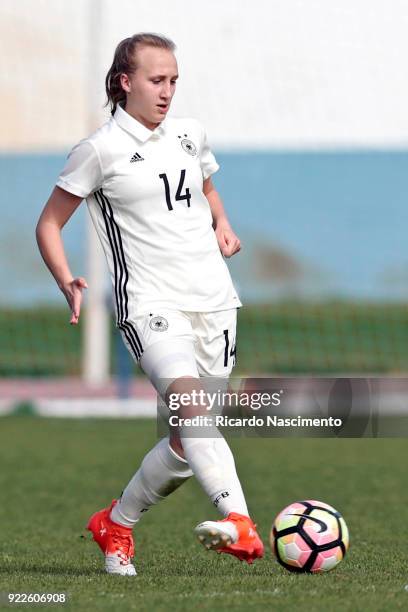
(73, 294)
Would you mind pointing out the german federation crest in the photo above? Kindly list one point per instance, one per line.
(159, 324)
(189, 146)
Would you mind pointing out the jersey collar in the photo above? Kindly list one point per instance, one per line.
(134, 127)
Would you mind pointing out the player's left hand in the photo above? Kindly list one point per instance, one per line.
(228, 241)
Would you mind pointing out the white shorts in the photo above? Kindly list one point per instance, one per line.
(177, 343)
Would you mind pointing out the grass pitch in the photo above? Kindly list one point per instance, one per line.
(55, 473)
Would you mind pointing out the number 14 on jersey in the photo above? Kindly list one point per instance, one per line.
(179, 195)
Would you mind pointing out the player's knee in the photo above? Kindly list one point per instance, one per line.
(185, 397)
(175, 443)
(181, 385)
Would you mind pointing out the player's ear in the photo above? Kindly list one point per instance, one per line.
(124, 81)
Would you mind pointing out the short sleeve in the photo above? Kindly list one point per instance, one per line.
(82, 173)
(207, 160)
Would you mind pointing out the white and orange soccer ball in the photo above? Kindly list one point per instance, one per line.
(309, 536)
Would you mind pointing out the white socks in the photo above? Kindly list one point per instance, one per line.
(162, 471)
(214, 467)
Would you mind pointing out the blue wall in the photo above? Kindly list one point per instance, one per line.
(312, 224)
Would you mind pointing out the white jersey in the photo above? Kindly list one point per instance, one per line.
(144, 191)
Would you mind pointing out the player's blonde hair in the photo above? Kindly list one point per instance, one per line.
(125, 62)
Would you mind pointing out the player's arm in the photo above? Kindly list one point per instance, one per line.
(228, 241)
(60, 207)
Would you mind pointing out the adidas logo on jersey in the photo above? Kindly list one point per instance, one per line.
(136, 158)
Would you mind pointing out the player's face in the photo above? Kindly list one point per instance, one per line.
(151, 87)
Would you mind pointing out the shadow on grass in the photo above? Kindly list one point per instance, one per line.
(54, 569)
(60, 571)
(201, 567)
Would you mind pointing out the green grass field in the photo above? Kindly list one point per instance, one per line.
(55, 473)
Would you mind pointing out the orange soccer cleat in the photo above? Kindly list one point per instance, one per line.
(115, 541)
(235, 535)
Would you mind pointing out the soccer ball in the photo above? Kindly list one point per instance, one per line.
(309, 536)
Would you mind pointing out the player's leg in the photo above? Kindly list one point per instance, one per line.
(161, 472)
(211, 460)
(215, 355)
(163, 469)
(206, 450)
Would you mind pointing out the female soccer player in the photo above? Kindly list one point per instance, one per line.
(147, 182)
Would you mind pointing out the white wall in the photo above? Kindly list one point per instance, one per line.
(260, 74)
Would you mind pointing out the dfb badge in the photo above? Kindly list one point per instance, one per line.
(189, 146)
(159, 324)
